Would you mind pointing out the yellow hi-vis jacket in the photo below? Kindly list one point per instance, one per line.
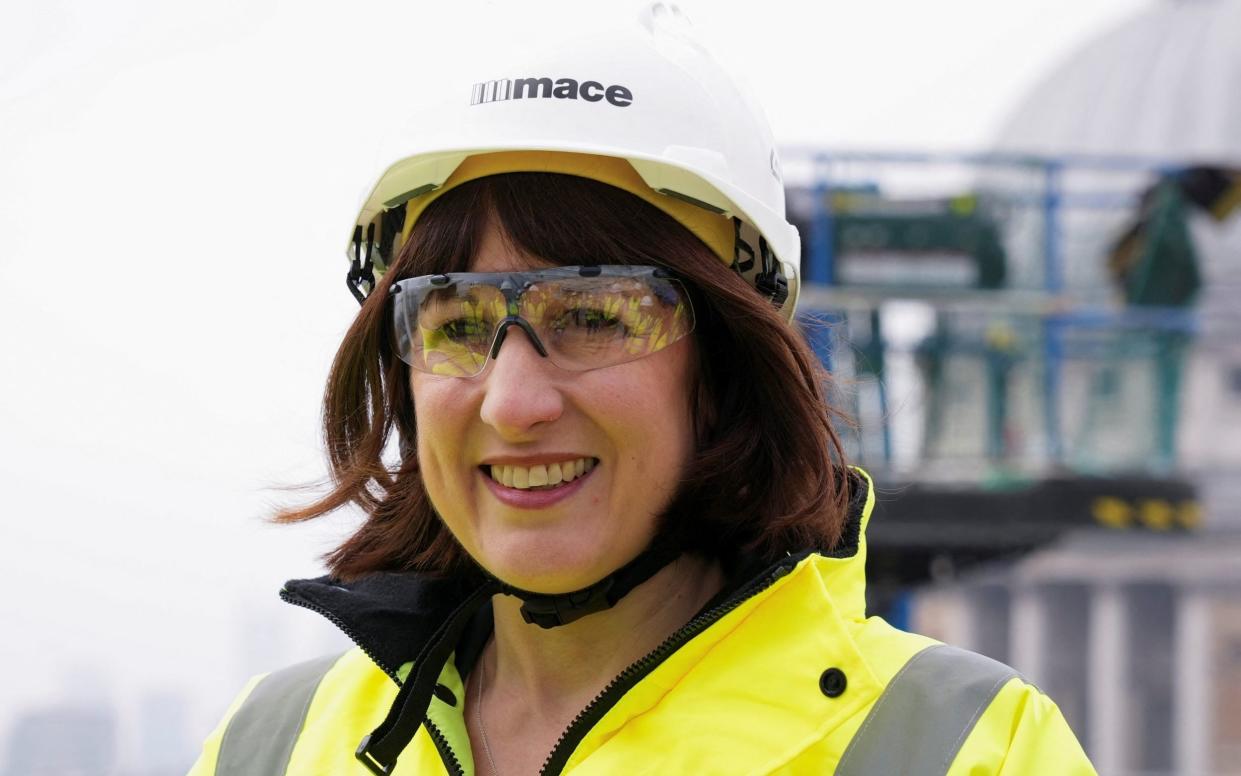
(785, 674)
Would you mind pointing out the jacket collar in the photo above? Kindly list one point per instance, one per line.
(844, 572)
(389, 615)
(392, 615)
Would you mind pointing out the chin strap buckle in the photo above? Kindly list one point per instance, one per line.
(775, 287)
(362, 274)
(771, 282)
(551, 611)
(768, 276)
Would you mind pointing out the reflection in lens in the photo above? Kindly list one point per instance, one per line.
(456, 326)
(582, 322)
(589, 323)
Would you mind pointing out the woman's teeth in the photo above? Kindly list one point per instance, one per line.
(541, 476)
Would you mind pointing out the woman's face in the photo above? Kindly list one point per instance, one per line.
(629, 425)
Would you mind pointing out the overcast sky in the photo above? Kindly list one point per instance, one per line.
(176, 183)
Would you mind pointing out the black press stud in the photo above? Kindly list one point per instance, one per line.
(833, 682)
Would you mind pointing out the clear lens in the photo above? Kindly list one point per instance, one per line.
(583, 318)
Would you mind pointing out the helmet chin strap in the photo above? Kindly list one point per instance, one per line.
(550, 610)
(379, 751)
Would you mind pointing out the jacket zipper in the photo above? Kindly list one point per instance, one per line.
(451, 763)
(607, 698)
(620, 684)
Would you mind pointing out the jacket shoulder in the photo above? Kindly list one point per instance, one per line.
(264, 722)
(1021, 732)
(930, 705)
(948, 710)
(959, 713)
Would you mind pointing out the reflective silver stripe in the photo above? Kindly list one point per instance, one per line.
(920, 722)
(259, 738)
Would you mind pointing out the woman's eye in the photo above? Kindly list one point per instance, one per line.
(590, 321)
(460, 329)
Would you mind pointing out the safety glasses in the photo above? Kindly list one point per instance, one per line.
(579, 318)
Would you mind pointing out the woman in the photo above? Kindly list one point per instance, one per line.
(616, 532)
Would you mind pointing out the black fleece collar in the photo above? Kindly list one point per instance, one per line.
(390, 615)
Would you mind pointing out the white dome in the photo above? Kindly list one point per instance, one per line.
(1165, 84)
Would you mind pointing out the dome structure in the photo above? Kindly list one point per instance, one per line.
(1164, 84)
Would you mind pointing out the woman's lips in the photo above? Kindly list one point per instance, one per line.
(533, 498)
(549, 472)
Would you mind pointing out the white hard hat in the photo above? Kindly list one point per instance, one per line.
(674, 128)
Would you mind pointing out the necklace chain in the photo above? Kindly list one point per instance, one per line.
(478, 714)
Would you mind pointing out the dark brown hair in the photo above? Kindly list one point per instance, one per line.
(765, 476)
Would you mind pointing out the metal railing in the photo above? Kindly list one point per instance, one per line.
(1047, 370)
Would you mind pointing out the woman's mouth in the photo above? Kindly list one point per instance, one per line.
(539, 476)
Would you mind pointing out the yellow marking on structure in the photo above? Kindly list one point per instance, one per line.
(1189, 514)
(1112, 512)
(1156, 513)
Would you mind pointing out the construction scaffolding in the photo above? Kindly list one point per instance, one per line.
(995, 316)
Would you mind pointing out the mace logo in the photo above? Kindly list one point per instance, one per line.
(545, 88)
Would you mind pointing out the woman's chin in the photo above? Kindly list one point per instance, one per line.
(548, 570)
(547, 580)
(556, 556)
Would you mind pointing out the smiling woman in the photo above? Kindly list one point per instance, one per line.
(620, 535)
(629, 423)
(730, 491)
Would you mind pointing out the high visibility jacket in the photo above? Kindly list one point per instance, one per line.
(782, 674)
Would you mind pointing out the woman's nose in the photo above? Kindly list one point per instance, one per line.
(519, 389)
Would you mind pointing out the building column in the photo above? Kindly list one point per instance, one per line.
(1029, 625)
(944, 613)
(1108, 659)
(1191, 743)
